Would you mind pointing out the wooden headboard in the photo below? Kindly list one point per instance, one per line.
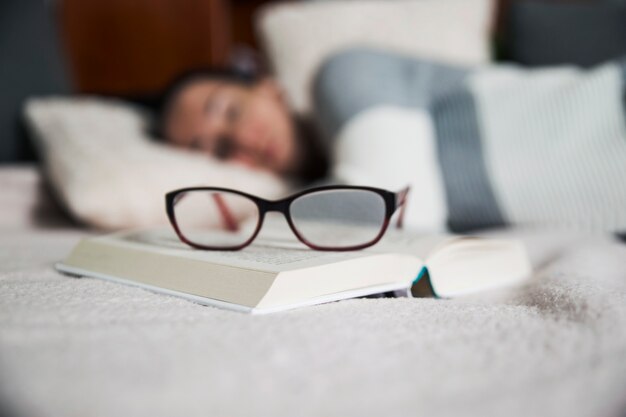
(134, 48)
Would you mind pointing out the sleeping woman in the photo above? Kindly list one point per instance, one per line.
(480, 147)
(243, 120)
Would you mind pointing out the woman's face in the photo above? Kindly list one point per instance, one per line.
(249, 125)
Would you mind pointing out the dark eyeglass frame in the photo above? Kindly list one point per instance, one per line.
(392, 200)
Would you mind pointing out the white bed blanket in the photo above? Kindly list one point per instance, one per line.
(84, 347)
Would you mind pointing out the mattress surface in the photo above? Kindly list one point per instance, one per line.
(76, 347)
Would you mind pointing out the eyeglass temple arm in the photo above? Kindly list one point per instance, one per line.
(401, 197)
(230, 223)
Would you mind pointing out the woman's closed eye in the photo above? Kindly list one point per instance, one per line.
(222, 104)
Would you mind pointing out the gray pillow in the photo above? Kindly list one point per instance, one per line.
(359, 78)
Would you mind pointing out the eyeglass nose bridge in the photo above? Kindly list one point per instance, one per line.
(281, 206)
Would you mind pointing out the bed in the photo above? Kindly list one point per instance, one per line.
(555, 346)
(76, 347)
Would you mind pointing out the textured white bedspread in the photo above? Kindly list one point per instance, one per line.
(84, 347)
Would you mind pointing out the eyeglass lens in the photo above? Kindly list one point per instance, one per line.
(216, 219)
(338, 218)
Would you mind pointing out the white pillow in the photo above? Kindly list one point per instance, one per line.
(392, 147)
(299, 36)
(110, 174)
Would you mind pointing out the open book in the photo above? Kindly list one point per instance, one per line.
(276, 273)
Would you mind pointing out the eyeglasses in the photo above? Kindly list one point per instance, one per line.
(332, 218)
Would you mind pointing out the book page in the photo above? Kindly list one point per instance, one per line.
(470, 265)
(394, 240)
(272, 254)
(420, 245)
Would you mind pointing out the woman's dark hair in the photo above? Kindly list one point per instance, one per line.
(183, 80)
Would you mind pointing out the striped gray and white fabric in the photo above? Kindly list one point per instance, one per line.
(535, 147)
(481, 148)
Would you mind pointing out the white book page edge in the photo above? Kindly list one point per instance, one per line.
(361, 292)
